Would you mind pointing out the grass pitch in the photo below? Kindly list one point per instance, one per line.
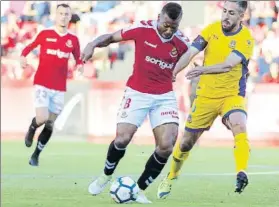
(66, 169)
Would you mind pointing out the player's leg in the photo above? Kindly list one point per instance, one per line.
(234, 117)
(165, 135)
(56, 103)
(131, 115)
(180, 154)
(204, 112)
(164, 122)
(43, 139)
(116, 151)
(41, 105)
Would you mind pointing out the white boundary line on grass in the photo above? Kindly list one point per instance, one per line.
(72, 176)
(231, 174)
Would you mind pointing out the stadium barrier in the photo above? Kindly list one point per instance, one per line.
(91, 108)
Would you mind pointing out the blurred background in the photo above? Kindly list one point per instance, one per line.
(92, 101)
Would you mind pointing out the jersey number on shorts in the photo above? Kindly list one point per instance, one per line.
(127, 103)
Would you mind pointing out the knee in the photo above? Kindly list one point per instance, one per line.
(238, 127)
(123, 139)
(237, 122)
(49, 125)
(41, 120)
(187, 143)
(164, 150)
(165, 146)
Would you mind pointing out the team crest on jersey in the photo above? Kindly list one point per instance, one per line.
(249, 43)
(173, 52)
(232, 44)
(69, 43)
(215, 37)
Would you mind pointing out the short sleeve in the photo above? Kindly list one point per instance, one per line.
(133, 32)
(184, 40)
(201, 40)
(206, 32)
(244, 49)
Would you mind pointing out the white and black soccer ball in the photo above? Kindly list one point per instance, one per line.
(124, 190)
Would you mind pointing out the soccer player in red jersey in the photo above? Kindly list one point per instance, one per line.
(158, 46)
(56, 46)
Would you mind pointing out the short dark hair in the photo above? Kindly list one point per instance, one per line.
(63, 5)
(242, 5)
(173, 10)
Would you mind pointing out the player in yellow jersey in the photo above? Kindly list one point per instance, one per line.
(221, 90)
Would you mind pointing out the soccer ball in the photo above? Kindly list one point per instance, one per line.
(124, 190)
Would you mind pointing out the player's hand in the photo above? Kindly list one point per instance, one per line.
(80, 69)
(195, 72)
(23, 62)
(78, 72)
(87, 52)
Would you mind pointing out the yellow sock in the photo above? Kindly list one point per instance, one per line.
(241, 151)
(177, 161)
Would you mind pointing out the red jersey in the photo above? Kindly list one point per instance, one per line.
(55, 52)
(155, 57)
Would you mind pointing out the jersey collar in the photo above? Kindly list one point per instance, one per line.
(59, 33)
(232, 33)
(162, 39)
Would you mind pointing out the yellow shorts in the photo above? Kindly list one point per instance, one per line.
(205, 110)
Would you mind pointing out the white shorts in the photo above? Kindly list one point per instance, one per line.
(136, 106)
(50, 98)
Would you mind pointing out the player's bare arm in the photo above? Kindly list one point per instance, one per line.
(232, 60)
(185, 60)
(101, 41)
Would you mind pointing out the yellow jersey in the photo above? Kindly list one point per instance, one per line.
(218, 45)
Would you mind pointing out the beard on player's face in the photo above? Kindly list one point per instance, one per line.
(229, 22)
(231, 16)
(228, 27)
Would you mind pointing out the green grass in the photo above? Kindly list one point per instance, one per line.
(66, 169)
